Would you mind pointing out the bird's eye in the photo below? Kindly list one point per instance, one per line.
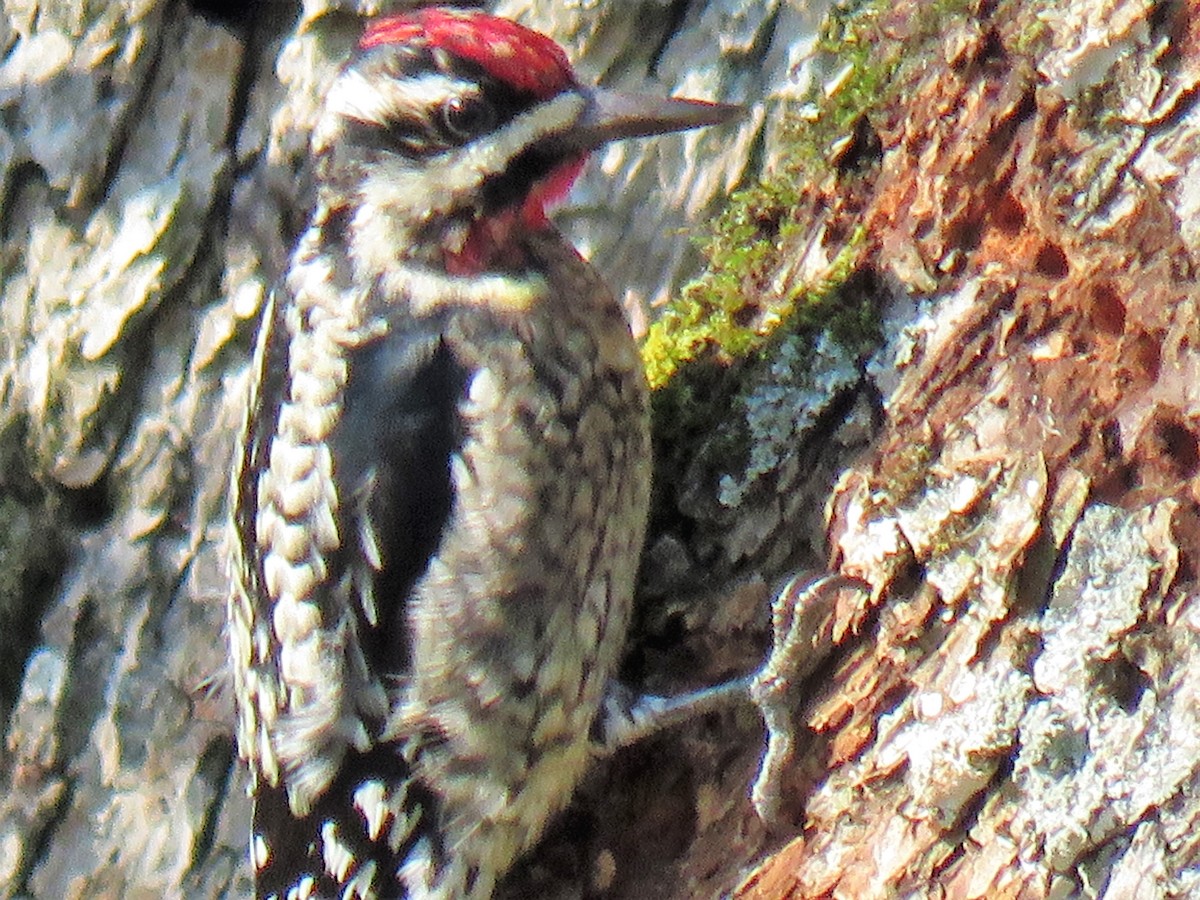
(467, 117)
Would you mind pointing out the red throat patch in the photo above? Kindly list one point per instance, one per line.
(518, 56)
(487, 238)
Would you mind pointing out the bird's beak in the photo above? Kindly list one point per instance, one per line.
(612, 116)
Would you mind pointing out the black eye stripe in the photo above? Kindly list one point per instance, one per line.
(409, 136)
(505, 188)
(464, 118)
(375, 136)
(421, 135)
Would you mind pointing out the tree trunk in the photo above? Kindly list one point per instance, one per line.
(1000, 193)
(1014, 709)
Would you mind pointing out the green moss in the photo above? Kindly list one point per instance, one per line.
(715, 346)
(713, 314)
(733, 310)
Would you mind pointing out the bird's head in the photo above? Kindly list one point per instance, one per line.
(449, 131)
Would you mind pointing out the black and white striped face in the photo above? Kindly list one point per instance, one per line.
(449, 133)
(420, 146)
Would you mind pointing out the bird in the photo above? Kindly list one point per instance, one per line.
(441, 485)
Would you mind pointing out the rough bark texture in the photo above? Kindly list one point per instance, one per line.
(1014, 712)
(1014, 709)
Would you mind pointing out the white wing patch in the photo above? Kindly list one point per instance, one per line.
(307, 675)
(369, 800)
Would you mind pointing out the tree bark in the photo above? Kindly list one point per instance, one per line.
(1013, 711)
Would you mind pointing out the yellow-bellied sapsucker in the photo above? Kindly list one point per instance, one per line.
(444, 477)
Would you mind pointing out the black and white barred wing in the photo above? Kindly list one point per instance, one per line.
(339, 500)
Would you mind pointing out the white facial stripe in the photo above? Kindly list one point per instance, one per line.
(445, 180)
(379, 101)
